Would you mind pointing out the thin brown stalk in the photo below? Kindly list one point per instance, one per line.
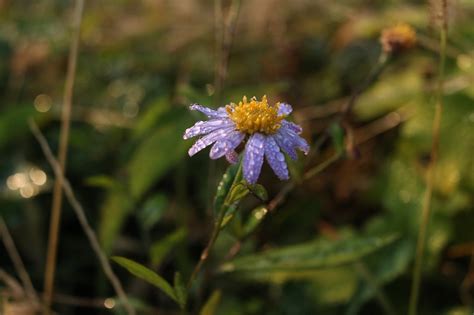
(81, 216)
(18, 262)
(225, 33)
(15, 289)
(430, 175)
(55, 219)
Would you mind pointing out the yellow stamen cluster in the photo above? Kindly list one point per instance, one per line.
(399, 37)
(255, 116)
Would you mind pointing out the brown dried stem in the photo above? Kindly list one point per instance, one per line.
(17, 262)
(81, 216)
(55, 219)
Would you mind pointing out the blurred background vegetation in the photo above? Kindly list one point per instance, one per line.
(141, 63)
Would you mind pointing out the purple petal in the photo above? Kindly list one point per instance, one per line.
(276, 159)
(211, 113)
(253, 157)
(289, 141)
(222, 146)
(209, 139)
(292, 126)
(286, 145)
(284, 109)
(205, 127)
(232, 157)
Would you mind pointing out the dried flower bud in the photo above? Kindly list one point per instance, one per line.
(398, 38)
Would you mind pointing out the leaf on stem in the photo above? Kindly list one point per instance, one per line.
(225, 186)
(309, 256)
(146, 274)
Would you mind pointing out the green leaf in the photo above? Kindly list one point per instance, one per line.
(161, 248)
(259, 191)
(180, 290)
(101, 181)
(212, 304)
(337, 135)
(385, 265)
(237, 192)
(117, 206)
(151, 117)
(225, 186)
(308, 256)
(146, 274)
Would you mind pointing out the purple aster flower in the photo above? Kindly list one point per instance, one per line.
(265, 128)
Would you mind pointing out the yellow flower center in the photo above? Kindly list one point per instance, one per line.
(255, 116)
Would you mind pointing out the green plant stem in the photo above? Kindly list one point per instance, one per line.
(215, 233)
(430, 177)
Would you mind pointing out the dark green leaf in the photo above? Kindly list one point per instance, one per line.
(309, 256)
(180, 290)
(385, 265)
(259, 191)
(114, 211)
(337, 135)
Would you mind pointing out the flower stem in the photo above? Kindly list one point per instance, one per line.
(215, 232)
(426, 205)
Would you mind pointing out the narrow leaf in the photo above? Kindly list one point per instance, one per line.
(237, 192)
(212, 303)
(146, 274)
(337, 135)
(224, 186)
(180, 290)
(259, 191)
(308, 256)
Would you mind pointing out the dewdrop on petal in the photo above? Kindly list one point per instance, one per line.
(264, 128)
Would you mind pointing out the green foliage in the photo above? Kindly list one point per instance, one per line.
(283, 262)
(160, 150)
(161, 248)
(337, 135)
(210, 307)
(140, 69)
(226, 185)
(149, 276)
(180, 290)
